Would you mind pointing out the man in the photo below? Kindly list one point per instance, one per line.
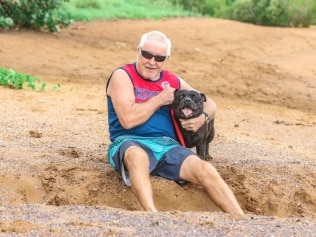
(143, 139)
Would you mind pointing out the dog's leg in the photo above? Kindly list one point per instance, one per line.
(200, 150)
(207, 152)
(209, 139)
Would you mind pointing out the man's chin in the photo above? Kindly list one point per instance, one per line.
(151, 75)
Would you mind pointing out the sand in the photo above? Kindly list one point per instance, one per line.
(55, 179)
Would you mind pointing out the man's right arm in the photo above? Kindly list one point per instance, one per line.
(130, 113)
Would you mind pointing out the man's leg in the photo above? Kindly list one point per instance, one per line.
(203, 173)
(137, 164)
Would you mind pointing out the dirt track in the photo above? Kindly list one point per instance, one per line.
(53, 144)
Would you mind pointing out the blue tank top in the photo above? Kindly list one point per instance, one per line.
(160, 123)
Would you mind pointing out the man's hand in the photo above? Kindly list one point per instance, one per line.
(167, 95)
(193, 124)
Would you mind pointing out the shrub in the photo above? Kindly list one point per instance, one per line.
(32, 14)
(273, 12)
(204, 7)
(295, 13)
(5, 22)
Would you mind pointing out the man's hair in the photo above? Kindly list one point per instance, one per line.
(158, 36)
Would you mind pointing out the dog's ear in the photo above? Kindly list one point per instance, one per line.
(203, 97)
(176, 91)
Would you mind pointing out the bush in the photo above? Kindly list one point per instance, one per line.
(204, 7)
(295, 13)
(273, 12)
(5, 22)
(32, 14)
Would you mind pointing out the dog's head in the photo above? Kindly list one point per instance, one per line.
(188, 104)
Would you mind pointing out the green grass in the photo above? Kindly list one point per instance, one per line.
(120, 9)
(87, 10)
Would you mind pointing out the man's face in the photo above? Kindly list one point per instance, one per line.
(147, 66)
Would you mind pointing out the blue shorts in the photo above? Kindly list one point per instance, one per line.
(167, 166)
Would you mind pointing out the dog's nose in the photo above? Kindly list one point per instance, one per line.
(187, 100)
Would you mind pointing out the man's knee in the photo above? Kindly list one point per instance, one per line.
(191, 168)
(199, 171)
(134, 156)
(210, 171)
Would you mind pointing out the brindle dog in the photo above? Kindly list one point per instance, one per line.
(188, 104)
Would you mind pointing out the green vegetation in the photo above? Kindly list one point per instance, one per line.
(121, 9)
(32, 14)
(52, 14)
(286, 13)
(12, 79)
(16, 80)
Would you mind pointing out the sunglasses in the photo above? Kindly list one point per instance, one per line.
(147, 55)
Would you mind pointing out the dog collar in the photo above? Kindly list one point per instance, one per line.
(207, 119)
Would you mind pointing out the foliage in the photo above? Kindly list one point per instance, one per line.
(273, 12)
(16, 80)
(120, 9)
(50, 14)
(5, 22)
(204, 7)
(32, 14)
(295, 13)
(314, 13)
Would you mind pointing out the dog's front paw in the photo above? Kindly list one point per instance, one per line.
(208, 158)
